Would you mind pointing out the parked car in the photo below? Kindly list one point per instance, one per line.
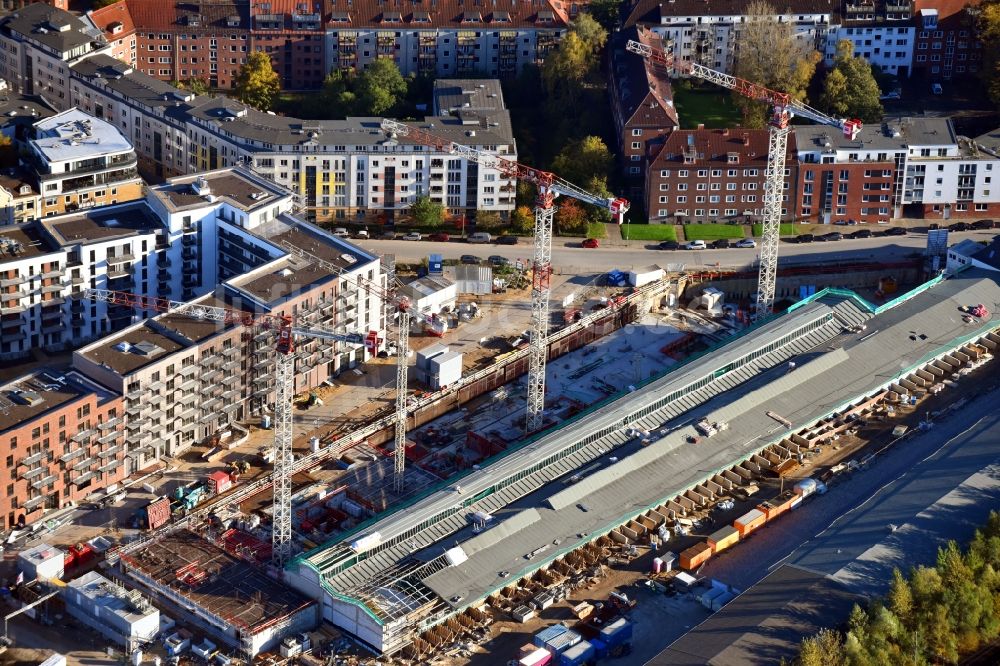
(695, 245)
(362, 234)
(470, 259)
(746, 242)
(439, 238)
(591, 243)
(389, 235)
(832, 236)
(983, 224)
(507, 240)
(668, 245)
(959, 226)
(413, 235)
(804, 238)
(720, 243)
(891, 95)
(860, 233)
(480, 237)
(895, 231)
(497, 260)
(341, 232)
(937, 89)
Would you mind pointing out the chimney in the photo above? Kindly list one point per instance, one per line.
(725, 131)
(701, 126)
(746, 139)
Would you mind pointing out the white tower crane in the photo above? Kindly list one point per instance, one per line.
(549, 187)
(285, 333)
(784, 108)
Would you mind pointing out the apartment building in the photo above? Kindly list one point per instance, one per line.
(641, 103)
(186, 379)
(19, 199)
(79, 161)
(62, 437)
(946, 45)
(39, 44)
(115, 22)
(707, 33)
(291, 33)
(882, 32)
(708, 175)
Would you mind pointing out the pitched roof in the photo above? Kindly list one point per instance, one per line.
(636, 78)
(106, 19)
(219, 14)
(52, 27)
(651, 10)
(714, 145)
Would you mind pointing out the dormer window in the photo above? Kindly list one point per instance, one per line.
(501, 17)
(733, 158)
(471, 17)
(421, 17)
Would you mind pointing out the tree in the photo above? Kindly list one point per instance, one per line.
(257, 83)
(488, 220)
(900, 597)
(850, 89)
(606, 12)
(196, 85)
(565, 68)
(988, 31)
(581, 161)
(523, 220)
(380, 87)
(590, 32)
(426, 212)
(8, 152)
(570, 218)
(769, 53)
(824, 649)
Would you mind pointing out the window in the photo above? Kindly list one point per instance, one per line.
(636, 145)
(637, 132)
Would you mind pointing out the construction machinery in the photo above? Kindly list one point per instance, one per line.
(784, 108)
(549, 187)
(285, 333)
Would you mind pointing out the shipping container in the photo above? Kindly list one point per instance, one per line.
(549, 633)
(695, 556)
(157, 513)
(723, 538)
(796, 502)
(539, 657)
(563, 642)
(526, 650)
(600, 648)
(219, 482)
(749, 521)
(805, 487)
(617, 633)
(578, 655)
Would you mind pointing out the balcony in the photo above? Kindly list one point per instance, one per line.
(34, 503)
(163, 261)
(42, 483)
(120, 259)
(32, 459)
(72, 455)
(110, 465)
(84, 464)
(110, 452)
(80, 480)
(189, 240)
(32, 473)
(189, 253)
(53, 327)
(83, 435)
(10, 282)
(110, 437)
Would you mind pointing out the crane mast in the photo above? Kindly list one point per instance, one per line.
(549, 187)
(784, 108)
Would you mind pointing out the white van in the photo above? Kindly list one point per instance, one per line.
(480, 237)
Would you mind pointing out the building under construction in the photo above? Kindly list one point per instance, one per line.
(644, 459)
(217, 589)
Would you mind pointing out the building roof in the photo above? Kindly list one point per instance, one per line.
(427, 286)
(24, 241)
(638, 78)
(131, 350)
(55, 28)
(713, 147)
(73, 135)
(21, 108)
(211, 16)
(109, 597)
(764, 623)
(14, 179)
(103, 223)
(457, 96)
(650, 11)
(114, 20)
(190, 328)
(134, 85)
(239, 187)
(43, 390)
(893, 134)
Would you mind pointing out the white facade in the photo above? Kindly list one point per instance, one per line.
(41, 561)
(888, 47)
(123, 617)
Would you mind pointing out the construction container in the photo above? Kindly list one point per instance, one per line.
(41, 561)
(549, 633)
(796, 502)
(219, 482)
(643, 276)
(617, 633)
(581, 653)
(526, 650)
(522, 613)
(722, 600)
(563, 642)
(749, 521)
(600, 648)
(695, 556)
(539, 657)
(723, 538)
(668, 559)
(158, 512)
(805, 487)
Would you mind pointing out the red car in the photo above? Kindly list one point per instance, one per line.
(591, 242)
(439, 238)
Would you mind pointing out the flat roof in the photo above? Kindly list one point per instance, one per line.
(453, 96)
(103, 223)
(73, 134)
(193, 329)
(32, 395)
(24, 241)
(131, 349)
(226, 586)
(18, 107)
(240, 188)
(891, 134)
(98, 589)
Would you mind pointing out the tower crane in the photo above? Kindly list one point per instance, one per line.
(286, 333)
(549, 187)
(784, 107)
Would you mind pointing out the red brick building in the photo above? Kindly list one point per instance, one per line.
(946, 44)
(62, 438)
(116, 23)
(642, 105)
(841, 192)
(707, 175)
(292, 33)
(179, 41)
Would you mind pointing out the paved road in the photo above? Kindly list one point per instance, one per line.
(569, 256)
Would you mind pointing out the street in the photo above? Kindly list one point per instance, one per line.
(569, 257)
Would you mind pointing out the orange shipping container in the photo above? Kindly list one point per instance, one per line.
(723, 538)
(771, 509)
(784, 501)
(749, 521)
(695, 556)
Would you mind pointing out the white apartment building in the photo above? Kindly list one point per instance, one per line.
(887, 46)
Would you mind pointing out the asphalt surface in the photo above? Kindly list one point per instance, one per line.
(568, 256)
(914, 486)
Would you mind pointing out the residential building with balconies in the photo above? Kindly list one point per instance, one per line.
(62, 437)
(80, 162)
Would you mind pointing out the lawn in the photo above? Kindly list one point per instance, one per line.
(712, 231)
(787, 229)
(714, 108)
(657, 232)
(596, 230)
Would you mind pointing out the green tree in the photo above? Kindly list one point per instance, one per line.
(590, 31)
(769, 53)
(380, 87)
(565, 68)
(850, 89)
(488, 220)
(988, 31)
(570, 218)
(257, 83)
(900, 597)
(826, 648)
(426, 212)
(582, 161)
(523, 221)
(606, 12)
(196, 85)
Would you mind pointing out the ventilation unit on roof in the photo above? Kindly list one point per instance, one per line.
(123, 347)
(348, 258)
(200, 186)
(29, 398)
